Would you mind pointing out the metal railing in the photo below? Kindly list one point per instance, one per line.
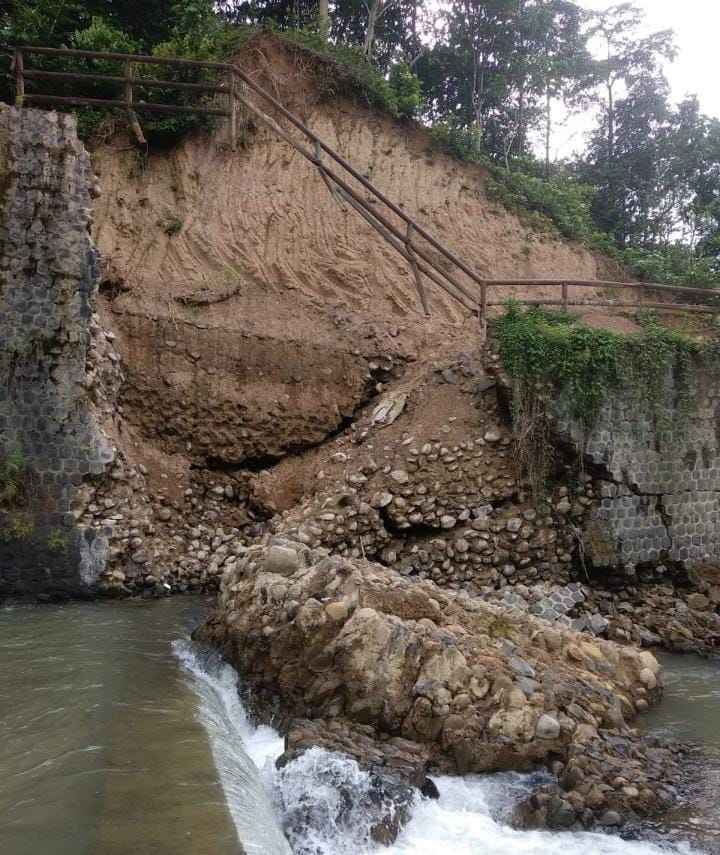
(403, 233)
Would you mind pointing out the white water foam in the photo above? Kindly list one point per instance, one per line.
(463, 821)
(467, 819)
(329, 804)
(239, 750)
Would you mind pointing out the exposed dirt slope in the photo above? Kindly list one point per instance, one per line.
(253, 311)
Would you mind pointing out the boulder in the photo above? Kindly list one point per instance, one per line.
(547, 727)
(281, 560)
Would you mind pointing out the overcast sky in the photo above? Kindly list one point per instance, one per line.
(697, 68)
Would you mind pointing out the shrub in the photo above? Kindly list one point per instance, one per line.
(562, 201)
(58, 541)
(12, 478)
(673, 265)
(98, 36)
(461, 142)
(351, 74)
(15, 522)
(405, 87)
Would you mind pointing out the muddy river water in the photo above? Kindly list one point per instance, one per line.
(119, 737)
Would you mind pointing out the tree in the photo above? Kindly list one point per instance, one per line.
(561, 57)
(376, 11)
(497, 66)
(464, 74)
(633, 63)
(694, 164)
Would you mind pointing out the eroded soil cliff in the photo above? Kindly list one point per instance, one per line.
(252, 311)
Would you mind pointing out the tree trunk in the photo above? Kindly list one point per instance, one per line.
(373, 14)
(611, 125)
(324, 18)
(478, 91)
(548, 129)
(613, 200)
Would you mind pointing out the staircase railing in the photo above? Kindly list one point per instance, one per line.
(403, 233)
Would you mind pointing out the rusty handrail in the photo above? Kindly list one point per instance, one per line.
(421, 263)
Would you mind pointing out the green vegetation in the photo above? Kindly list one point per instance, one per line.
(16, 526)
(561, 200)
(171, 226)
(563, 371)
(460, 142)
(350, 73)
(15, 522)
(12, 479)
(57, 541)
(193, 31)
(185, 28)
(673, 265)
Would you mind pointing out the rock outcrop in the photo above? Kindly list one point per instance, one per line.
(414, 677)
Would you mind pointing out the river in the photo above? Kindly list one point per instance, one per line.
(106, 741)
(119, 737)
(690, 711)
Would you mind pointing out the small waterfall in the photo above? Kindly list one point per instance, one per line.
(327, 804)
(320, 797)
(239, 750)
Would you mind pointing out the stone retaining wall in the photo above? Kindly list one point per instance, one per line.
(47, 287)
(660, 495)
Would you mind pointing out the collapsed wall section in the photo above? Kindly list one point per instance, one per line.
(49, 440)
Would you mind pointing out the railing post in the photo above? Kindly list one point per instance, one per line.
(129, 85)
(129, 102)
(233, 112)
(19, 78)
(565, 296)
(416, 272)
(483, 309)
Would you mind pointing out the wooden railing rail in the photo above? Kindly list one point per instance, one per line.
(122, 57)
(600, 283)
(129, 82)
(644, 292)
(378, 211)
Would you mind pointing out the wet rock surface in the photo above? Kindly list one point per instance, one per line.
(321, 791)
